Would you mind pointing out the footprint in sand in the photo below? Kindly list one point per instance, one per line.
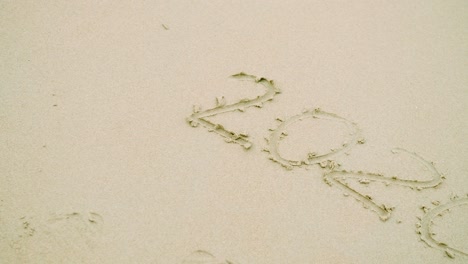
(60, 238)
(203, 257)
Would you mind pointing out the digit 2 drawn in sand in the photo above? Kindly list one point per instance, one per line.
(384, 212)
(198, 116)
(427, 221)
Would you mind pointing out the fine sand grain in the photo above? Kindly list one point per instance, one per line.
(243, 132)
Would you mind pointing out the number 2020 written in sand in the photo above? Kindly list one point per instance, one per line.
(332, 174)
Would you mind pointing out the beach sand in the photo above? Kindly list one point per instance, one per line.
(99, 163)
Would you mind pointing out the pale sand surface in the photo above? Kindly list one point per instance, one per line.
(98, 164)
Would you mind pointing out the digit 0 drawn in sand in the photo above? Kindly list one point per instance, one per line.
(384, 212)
(425, 226)
(312, 158)
(203, 257)
(61, 238)
(199, 117)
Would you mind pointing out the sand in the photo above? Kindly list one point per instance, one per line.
(100, 163)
